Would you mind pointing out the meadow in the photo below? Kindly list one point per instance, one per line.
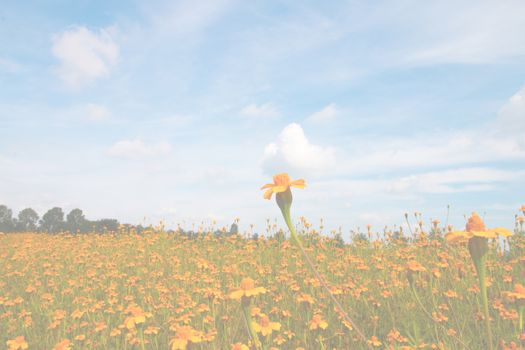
(159, 291)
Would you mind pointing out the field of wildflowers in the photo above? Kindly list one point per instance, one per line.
(158, 290)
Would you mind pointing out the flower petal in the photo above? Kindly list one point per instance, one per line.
(298, 183)
(267, 186)
(502, 231)
(236, 294)
(457, 236)
(484, 234)
(268, 194)
(277, 189)
(281, 179)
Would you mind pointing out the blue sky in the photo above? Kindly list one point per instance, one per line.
(180, 110)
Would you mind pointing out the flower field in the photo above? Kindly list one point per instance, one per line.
(168, 291)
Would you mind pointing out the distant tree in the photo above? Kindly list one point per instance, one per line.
(53, 220)
(234, 229)
(360, 237)
(76, 221)
(7, 223)
(27, 220)
(106, 225)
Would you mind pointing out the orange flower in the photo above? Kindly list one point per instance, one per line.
(63, 345)
(247, 289)
(476, 228)
(318, 322)
(265, 327)
(17, 343)
(518, 294)
(240, 346)
(281, 182)
(415, 266)
(185, 335)
(375, 341)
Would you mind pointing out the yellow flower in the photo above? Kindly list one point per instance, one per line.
(476, 228)
(281, 182)
(17, 343)
(247, 289)
(265, 327)
(185, 335)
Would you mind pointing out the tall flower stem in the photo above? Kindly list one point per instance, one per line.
(284, 200)
(521, 310)
(245, 305)
(482, 272)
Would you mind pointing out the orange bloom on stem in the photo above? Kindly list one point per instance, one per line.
(415, 266)
(185, 335)
(63, 345)
(281, 183)
(17, 343)
(317, 321)
(477, 236)
(518, 293)
(247, 289)
(476, 228)
(265, 326)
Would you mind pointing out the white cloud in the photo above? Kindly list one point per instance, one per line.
(326, 114)
(453, 180)
(459, 148)
(511, 117)
(84, 55)
(137, 148)
(294, 152)
(460, 180)
(488, 32)
(96, 113)
(266, 110)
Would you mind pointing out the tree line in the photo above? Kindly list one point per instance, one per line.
(53, 221)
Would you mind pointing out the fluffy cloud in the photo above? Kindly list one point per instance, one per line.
(326, 114)
(266, 110)
(84, 55)
(137, 148)
(293, 152)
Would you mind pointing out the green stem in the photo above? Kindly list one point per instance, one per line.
(248, 317)
(285, 209)
(520, 321)
(482, 272)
